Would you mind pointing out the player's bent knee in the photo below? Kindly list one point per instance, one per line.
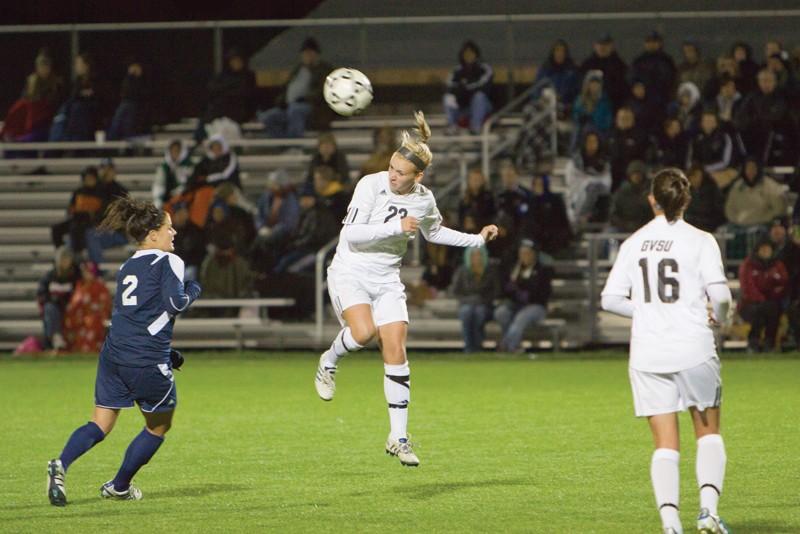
(363, 334)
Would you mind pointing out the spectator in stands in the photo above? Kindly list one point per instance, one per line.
(785, 79)
(713, 148)
(627, 142)
(765, 122)
(630, 209)
(53, 294)
(656, 69)
(438, 272)
(330, 192)
(230, 93)
(88, 310)
(588, 179)
(476, 208)
(694, 68)
(83, 212)
(647, 113)
(384, 143)
(276, 220)
(316, 227)
(109, 186)
(764, 282)
(592, 108)
(742, 54)
(547, 221)
(29, 118)
(527, 289)
(772, 47)
(670, 146)
(468, 88)
(300, 104)
(605, 59)
(726, 66)
(476, 284)
(78, 117)
(190, 240)
(329, 155)
(687, 108)
(755, 199)
(131, 117)
(791, 258)
(513, 199)
(224, 274)
(173, 173)
(229, 218)
(219, 165)
(503, 247)
(560, 70)
(110, 189)
(727, 101)
(707, 207)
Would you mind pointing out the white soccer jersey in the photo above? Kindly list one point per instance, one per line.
(374, 203)
(665, 268)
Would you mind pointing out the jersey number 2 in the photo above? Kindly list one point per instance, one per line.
(664, 281)
(394, 211)
(128, 298)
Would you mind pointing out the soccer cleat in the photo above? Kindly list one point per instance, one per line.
(710, 524)
(670, 530)
(402, 449)
(325, 380)
(133, 493)
(55, 483)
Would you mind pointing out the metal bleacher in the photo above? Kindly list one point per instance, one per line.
(31, 203)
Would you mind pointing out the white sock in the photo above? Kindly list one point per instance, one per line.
(710, 470)
(665, 475)
(397, 388)
(342, 344)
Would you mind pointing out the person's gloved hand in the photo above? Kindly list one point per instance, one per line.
(176, 358)
(193, 289)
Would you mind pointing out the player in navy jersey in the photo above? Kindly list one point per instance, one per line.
(136, 362)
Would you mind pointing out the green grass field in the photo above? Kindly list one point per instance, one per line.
(513, 445)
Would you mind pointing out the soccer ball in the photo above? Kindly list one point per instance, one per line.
(347, 91)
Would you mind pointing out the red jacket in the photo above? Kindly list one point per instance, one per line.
(761, 281)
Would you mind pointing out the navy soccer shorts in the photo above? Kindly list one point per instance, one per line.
(151, 387)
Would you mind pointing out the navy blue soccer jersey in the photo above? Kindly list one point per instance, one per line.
(150, 293)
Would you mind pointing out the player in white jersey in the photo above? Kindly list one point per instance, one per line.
(663, 278)
(364, 283)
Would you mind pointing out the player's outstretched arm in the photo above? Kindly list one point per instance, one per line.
(441, 235)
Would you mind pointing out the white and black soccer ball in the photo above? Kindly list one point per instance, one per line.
(347, 91)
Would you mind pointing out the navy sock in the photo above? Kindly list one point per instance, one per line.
(83, 439)
(139, 452)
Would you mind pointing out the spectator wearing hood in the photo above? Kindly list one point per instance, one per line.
(668, 147)
(53, 294)
(300, 104)
(630, 209)
(605, 59)
(476, 284)
(656, 69)
(764, 282)
(172, 174)
(713, 148)
(83, 212)
(592, 108)
(687, 107)
(588, 178)
(29, 118)
(648, 113)
(468, 88)
(476, 208)
(190, 240)
(131, 116)
(224, 274)
(694, 68)
(329, 155)
(755, 199)
(766, 124)
(78, 117)
(626, 143)
(230, 93)
(742, 54)
(218, 166)
(547, 221)
(560, 70)
(706, 209)
(527, 289)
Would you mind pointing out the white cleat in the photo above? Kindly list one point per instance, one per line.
(55, 483)
(325, 380)
(710, 524)
(402, 449)
(133, 493)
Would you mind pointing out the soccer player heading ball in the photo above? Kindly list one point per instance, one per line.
(364, 284)
(663, 277)
(136, 361)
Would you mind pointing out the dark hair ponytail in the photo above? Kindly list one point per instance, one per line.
(672, 192)
(136, 218)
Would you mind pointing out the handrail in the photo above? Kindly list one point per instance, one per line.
(502, 112)
(319, 287)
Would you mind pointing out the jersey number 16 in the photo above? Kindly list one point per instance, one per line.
(664, 281)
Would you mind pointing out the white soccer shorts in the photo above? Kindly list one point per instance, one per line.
(388, 301)
(661, 393)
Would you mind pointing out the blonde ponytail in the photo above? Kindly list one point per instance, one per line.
(415, 148)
